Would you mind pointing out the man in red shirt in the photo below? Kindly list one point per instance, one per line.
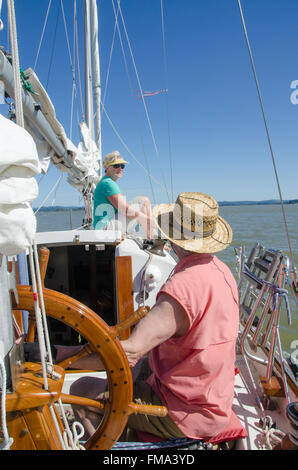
(190, 333)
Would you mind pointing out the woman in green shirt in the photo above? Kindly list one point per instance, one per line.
(111, 210)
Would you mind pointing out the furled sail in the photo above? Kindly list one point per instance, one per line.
(18, 188)
(81, 163)
(85, 157)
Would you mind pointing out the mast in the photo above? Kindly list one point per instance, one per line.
(92, 91)
(88, 70)
(96, 79)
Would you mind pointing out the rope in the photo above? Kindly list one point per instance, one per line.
(39, 327)
(40, 314)
(74, 436)
(7, 441)
(15, 64)
(271, 436)
(267, 133)
(57, 427)
(71, 437)
(46, 356)
(43, 312)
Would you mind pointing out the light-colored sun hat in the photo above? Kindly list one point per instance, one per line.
(113, 159)
(193, 223)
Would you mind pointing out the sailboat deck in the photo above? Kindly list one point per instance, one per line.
(246, 406)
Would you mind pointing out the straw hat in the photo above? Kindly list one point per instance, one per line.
(193, 223)
(113, 159)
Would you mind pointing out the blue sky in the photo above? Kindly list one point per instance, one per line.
(209, 122)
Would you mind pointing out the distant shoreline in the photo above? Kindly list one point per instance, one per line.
(221, 203)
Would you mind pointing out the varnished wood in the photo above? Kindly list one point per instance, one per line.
(40, 424)
(30, 391)
(18, 317)
(43, 258)
(100, 337)
(295, 288)
(129, 321)
(152, 410)
(82, 401)
(18, 430)
(87, 349)
(272, 387)
(98, 334)
(30, 337)
(286, 444)
(29, 419)
(102, 340)
(124, 290)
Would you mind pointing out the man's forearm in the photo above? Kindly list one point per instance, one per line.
(160, 324)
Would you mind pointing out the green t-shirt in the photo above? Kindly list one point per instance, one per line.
(103, 209)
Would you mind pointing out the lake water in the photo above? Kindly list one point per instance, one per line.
(250, 224)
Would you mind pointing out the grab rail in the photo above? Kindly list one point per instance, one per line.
(267, 293)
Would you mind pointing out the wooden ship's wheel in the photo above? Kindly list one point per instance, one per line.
(29, 420)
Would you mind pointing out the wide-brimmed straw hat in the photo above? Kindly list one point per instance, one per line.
(113, 159)
(193, 223)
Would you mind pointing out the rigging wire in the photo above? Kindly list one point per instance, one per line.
(49, 193)
(166, 97)
(127, 149)
(53, 47)
(268, 135)
(66, 33)
(42, 34)
(111, 51)
(74, 93)
(134, 105)
(145, 107)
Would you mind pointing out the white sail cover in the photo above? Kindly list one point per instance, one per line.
(18, 188)
(85, 157)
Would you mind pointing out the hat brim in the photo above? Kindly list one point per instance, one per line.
(220, 239)
(116, 162)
